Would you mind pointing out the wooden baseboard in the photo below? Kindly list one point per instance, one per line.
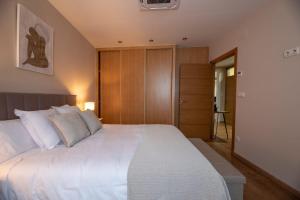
(268, 175)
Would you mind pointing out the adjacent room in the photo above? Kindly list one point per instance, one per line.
(149, 100)
(224, 100)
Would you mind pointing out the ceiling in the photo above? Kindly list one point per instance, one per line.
(228, 62)
(103, 23)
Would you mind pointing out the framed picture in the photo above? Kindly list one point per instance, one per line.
(34, 42)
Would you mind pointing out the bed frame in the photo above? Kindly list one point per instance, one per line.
(24, 101)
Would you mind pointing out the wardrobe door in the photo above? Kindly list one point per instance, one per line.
(132, 86)
(110, 87)
(159, 68)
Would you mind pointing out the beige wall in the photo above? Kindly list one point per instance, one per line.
(267, 120)
(74, 57)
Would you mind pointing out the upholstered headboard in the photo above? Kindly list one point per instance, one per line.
(29, 102)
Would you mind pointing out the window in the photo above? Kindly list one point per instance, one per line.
(230, 71)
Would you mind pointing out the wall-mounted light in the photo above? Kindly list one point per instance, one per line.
(89, 106)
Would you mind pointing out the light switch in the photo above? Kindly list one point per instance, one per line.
(239, 73)
(242, 94)
(291, 52)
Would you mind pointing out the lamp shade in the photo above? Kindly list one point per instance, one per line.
(89, 106)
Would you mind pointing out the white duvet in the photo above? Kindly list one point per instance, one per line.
(95, 168)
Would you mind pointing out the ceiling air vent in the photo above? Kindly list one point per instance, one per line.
(159, 4)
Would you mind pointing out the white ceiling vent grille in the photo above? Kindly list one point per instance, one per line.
(159, 4)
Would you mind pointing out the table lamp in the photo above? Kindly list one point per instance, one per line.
(89, 106)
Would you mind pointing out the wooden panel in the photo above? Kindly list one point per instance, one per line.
(132, 86)
(196, 100)
(230, 98)
(159, 65)
(196, 131)
(195, 116)
(110, 87)
(195, 86)
(192, 71)
(192, 55)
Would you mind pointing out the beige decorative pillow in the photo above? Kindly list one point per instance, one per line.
(71, 127)
(91, 120)
(66, 109)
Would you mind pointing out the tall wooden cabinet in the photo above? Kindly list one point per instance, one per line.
(132, 86)
(110, 86)
(159, 86)
(137, 86)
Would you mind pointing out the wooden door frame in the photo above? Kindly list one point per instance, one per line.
(99, 84)
(233, 52)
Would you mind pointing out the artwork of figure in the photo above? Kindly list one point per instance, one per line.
(34, 42)
(36, 55)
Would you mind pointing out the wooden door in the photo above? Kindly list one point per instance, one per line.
(196, 100)
(110, 87)
(159, 69)
(132, 86)
(229, 98)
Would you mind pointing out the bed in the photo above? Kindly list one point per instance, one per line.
(135, 162)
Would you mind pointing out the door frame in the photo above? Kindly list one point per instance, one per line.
(99, 84)
(233, 52)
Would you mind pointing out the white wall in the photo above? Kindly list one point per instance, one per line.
(267, 120)
(74, 57)
(220, 87)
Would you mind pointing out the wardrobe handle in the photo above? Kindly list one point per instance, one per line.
(181, 101)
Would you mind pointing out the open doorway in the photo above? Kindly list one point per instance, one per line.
(225, 99)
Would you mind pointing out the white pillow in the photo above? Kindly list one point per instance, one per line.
(14, 139)
(40, 127)
(91, 120)
(71, 127)
(66, 109)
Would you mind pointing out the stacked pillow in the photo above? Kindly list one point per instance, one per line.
(91, 120)
(70, 128)
(45, 129)
(14, 138)
(66, 109)
(40, 127)
(88, 116)
(67, 123)
(74, 125)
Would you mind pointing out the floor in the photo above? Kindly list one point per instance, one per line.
(258, 187)
(221, 134)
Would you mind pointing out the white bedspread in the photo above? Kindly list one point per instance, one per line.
(95, 168)
(134, 162)
(166, 166)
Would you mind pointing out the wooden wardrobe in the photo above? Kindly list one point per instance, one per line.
(137, 85)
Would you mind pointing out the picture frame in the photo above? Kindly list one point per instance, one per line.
(34, 42)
